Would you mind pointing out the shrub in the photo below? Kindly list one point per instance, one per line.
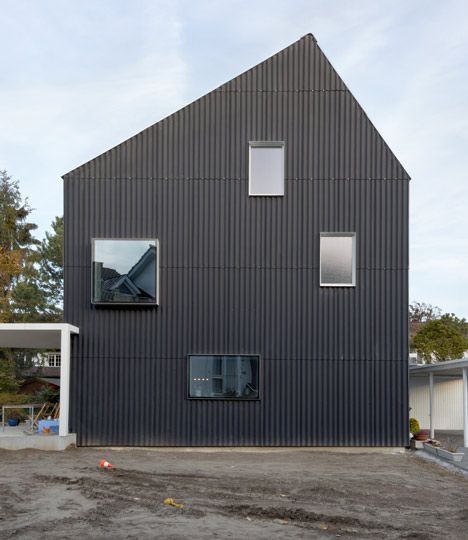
(414, 426)
(48, 394)
(11, 398)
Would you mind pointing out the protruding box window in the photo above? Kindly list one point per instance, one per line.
(337, 259)
(266, 169)
(125, 271)
(224, 376)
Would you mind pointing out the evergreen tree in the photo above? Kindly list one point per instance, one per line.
(51, 271)
(16, 245)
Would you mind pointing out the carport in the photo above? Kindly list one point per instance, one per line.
(45, 336)
(453, 369)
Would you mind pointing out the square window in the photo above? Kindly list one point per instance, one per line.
(337, 259)
(223, 377)
(266, 169)
(125, 271)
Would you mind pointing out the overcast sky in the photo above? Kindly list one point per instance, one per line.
(78, 77)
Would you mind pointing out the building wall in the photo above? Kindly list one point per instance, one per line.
(448, 402)
(241, 275)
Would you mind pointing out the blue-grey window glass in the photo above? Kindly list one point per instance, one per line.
(125, 271)
(224, 377)
(337, 259)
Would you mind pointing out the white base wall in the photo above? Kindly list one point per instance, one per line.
(447, 406)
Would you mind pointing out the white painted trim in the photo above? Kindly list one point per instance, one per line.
(140, 304)
(431, 404)
(64, 382)
(266, 144)
(345, 234)
(465, 407)
(448, 365)
(40, 326)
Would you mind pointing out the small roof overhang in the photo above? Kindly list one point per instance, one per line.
(450, 368)
(34, 335)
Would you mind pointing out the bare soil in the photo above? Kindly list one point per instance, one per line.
(229, 494)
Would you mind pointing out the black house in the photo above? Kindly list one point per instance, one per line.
(239, 271)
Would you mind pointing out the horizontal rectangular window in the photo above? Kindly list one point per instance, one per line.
(266, 168)
(224, 376)
(337, 259)
(125, 271)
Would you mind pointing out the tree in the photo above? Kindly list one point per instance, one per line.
(51, 270)
(38, 292)
(16, 243)
(440, 339)
(419, 312)
(459, 324)
(8, 380)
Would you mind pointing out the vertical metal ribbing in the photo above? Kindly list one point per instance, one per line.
(241, 274)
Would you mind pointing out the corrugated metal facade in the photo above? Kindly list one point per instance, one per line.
(241, 275)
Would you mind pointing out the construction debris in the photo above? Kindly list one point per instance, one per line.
(170, 502)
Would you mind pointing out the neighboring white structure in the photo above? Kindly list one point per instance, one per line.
(442, 374)
(47, 359)
(46, 336)
(448, 402)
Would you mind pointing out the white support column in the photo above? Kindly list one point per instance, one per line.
(431, 405)
(64, 380)
(465, 407)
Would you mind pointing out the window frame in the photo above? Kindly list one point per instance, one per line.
(221, 398)
(345, 234)
(157, 267)
(267, 144)
(56, 359)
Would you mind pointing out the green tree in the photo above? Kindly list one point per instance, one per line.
(459, 324)
(38, 292)
(16, 243)
(439, 339)
(8, 379)
(51, 271)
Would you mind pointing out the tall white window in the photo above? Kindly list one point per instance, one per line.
(266, 168)
(337, 259)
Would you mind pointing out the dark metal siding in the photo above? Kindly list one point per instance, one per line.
(241, 275)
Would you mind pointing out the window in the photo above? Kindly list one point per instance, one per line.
(266, 169)
(337, 259)
(125, 271)
(53, 359)
(224, 377)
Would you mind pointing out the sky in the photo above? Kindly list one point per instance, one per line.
(78, 77)
(123, 258)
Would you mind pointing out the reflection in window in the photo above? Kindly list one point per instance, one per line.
(225, 377)
(337, 259)
(125, 271)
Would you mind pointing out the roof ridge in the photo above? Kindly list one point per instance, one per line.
(305, 37)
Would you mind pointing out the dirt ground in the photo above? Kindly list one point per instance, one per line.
(230, 494)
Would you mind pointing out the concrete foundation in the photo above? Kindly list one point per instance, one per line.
(14, 438)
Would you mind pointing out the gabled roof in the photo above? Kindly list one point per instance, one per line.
(147, 257)
(293, 92)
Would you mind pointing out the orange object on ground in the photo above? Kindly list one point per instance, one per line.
(103, 464)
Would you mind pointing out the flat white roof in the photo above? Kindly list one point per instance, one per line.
(34, 335)
(452, 368)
